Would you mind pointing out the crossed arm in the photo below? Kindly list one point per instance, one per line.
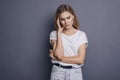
(58, 53)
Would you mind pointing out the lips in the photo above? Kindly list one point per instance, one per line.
(67, 25)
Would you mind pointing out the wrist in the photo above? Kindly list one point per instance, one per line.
(59, 32)
(60, 58)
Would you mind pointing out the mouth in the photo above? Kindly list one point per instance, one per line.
(67, 25)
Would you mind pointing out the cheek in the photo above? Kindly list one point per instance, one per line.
(71, 20)
(62, 22)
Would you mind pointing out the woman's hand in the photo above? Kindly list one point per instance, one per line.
(51, 54)
(60, 28)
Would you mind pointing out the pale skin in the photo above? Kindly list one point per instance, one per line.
(66, 19)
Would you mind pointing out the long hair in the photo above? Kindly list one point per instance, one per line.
(65, 7)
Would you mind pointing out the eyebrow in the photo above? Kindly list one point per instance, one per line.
(66, 17)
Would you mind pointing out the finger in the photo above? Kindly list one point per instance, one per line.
(58, 23)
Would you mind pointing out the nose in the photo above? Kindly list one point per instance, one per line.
(66, 21)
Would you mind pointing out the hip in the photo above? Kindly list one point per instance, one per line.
(60, 73)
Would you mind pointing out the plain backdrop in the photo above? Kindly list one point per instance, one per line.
(25, 26)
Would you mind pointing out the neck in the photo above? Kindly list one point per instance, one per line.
(69, 31)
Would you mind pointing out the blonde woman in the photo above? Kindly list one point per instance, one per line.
(69, 46)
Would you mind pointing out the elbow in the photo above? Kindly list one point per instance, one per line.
(80, 61)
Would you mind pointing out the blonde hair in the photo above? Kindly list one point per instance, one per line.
(65, 7)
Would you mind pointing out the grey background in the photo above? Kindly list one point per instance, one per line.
(24, 38)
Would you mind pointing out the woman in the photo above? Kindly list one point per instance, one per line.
(69, 46)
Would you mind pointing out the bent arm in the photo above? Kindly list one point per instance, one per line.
(79, 59)
(58, 50)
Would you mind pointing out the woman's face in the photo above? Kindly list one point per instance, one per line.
(66, 20)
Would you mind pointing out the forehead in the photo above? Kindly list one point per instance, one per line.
(65, 14)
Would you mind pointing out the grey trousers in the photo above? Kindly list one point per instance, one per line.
(59, 73)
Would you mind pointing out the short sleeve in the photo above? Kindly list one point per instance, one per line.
(84, 39)
(52, 36)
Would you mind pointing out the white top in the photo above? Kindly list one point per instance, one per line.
(71, 44)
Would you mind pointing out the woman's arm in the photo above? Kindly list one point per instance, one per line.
(58, 50)
(79, 59)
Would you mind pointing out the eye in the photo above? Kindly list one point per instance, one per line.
(62, 19)
(68, 17)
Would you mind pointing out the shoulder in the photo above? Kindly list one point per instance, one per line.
(81, 32)
(53, 32)
(52, 35)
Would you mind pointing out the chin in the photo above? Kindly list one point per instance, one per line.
(67, 27)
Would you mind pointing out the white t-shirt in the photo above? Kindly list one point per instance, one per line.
(71, 44)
